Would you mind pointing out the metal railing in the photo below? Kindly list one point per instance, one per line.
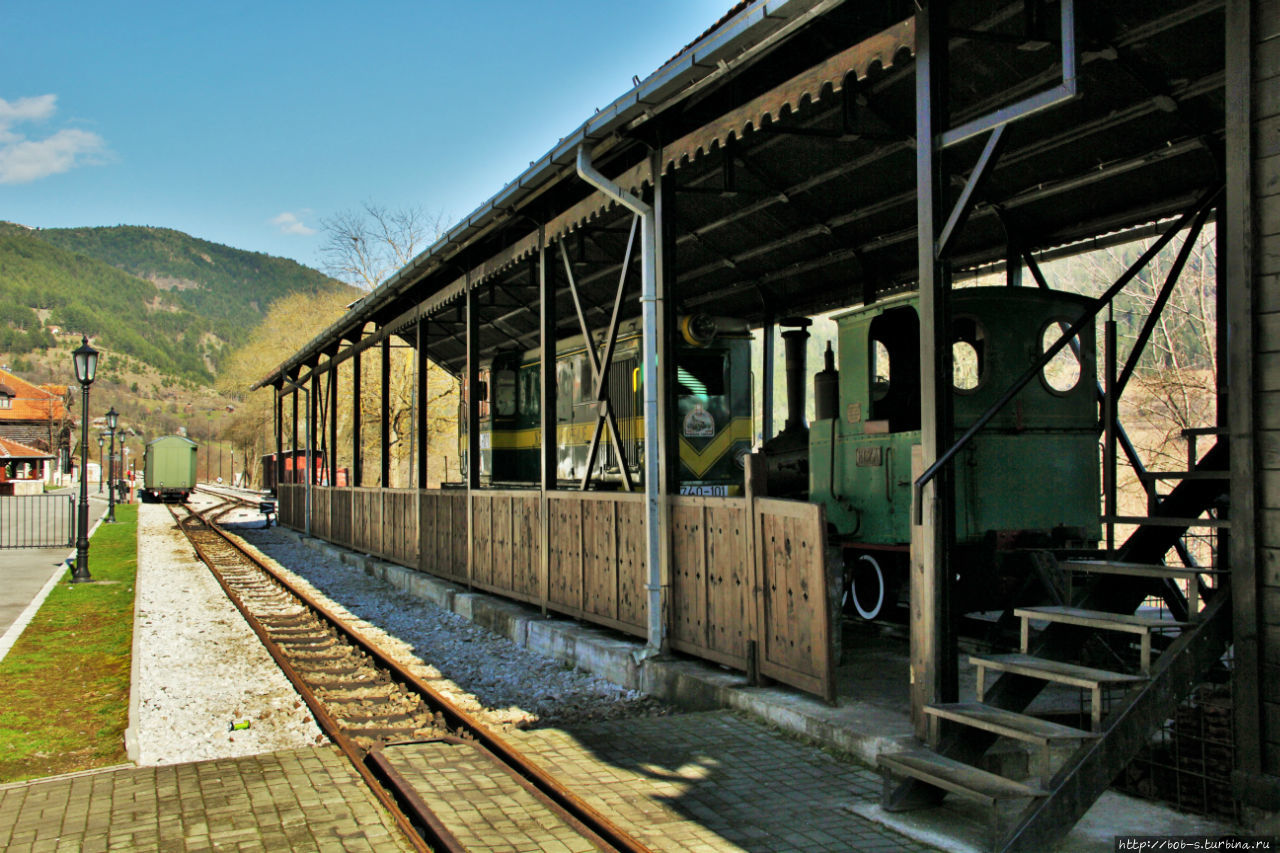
(37, 521)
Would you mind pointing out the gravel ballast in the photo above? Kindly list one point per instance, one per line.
(198, 666)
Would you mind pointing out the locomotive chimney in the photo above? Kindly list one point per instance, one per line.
(796, 340)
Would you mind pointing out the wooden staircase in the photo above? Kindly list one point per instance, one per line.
(1053, 641)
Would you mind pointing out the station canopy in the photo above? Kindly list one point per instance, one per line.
(783, 140)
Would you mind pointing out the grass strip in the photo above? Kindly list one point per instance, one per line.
(64, 687)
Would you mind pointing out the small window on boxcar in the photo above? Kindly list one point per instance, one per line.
(700, 374)
(968, 353)
(1062, 373)
(880, 371)
(504, 392)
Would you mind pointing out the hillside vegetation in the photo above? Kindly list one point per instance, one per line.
(229, 289)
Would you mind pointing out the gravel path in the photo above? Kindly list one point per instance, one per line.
(197, 666)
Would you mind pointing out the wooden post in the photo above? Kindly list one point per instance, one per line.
(935, 676)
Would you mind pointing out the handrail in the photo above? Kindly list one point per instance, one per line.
(1205, 202)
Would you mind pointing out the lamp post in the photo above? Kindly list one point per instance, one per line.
(100, 443)
(113, 418)
(85, 359)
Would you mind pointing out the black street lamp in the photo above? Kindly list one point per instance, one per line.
(113, 417)
(85, 359)
(101, 441)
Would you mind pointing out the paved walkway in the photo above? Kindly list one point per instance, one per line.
(26, 572)
(305, 800)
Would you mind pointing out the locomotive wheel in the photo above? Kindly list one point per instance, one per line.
(869, 587)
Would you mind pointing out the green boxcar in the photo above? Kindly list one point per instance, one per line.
(1031, 474)
(169, 469)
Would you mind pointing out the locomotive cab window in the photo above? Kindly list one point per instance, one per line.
(893, 353)
(700, 374)
(968, 354)
(1062, 373)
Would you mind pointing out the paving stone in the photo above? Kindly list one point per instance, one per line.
(265, 802)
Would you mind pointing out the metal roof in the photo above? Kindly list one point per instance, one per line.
(789, 168)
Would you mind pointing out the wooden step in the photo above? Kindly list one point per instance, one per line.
(1071, 674)
(958, 778)
(1006, 723)
(1143, 570)
(1102, 620)
(1137, 570)
(1011, 724)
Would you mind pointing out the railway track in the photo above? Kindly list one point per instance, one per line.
(405, 739)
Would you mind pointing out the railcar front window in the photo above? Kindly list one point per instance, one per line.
(504, 392)
(700, 374)
(1062, 373)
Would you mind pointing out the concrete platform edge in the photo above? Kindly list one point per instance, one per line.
(686, 683)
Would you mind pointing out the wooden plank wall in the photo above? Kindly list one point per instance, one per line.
(366, 520)
(1266, 337)
(506, 553)
(795, 618)
(712, 580)
(442, 533)
(596, 569)
(723, 601)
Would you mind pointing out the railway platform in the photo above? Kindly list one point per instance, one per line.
(306, 799)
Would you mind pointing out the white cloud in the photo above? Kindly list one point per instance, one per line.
(23, 160)
(289, 223)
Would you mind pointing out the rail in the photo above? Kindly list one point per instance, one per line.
(364, 747)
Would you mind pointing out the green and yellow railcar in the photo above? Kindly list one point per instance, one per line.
(713, 419)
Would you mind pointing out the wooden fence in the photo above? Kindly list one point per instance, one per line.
(747, 576)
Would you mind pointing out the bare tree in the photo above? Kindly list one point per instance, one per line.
(363, 247)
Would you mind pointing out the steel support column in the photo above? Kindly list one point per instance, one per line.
(422, 413)
(357, 425)
(384, 419)
(332, 449)
(933, 642)
(279, 425)
(547, 461)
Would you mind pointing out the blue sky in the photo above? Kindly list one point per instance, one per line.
(247, 123)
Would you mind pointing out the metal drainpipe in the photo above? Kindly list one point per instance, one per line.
(649, 360)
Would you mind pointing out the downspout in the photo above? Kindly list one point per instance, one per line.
(649, 368)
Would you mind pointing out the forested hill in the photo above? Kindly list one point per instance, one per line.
(229, 288)
(164, 298)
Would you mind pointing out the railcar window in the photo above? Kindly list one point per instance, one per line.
(504, 392)
(530, 392)
(1062, 373)
(583, 387)
(968, 353)
(700, 373)
(564, 390)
